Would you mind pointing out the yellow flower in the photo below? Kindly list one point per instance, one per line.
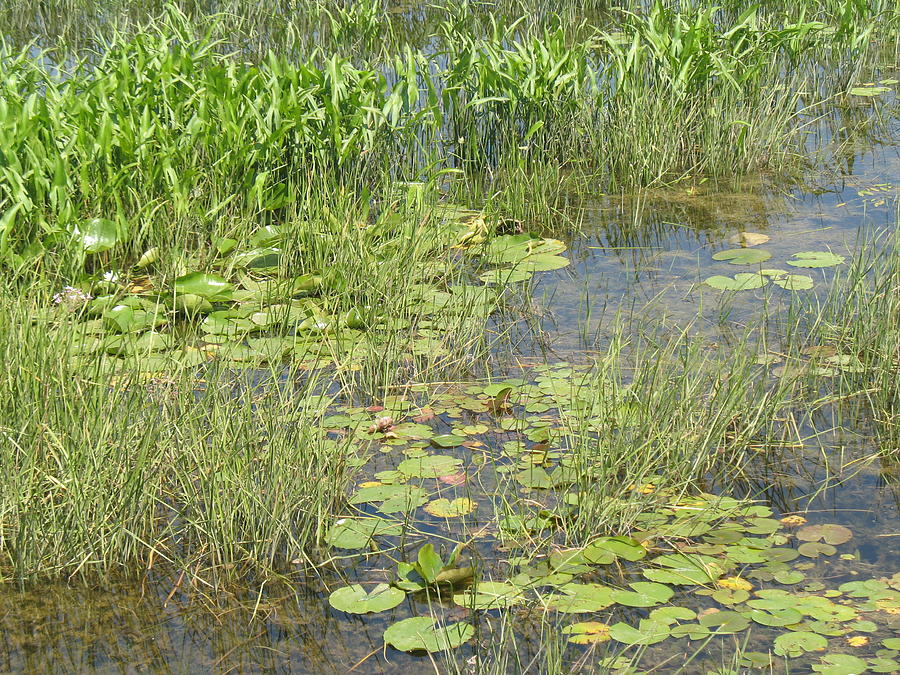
(858, 641)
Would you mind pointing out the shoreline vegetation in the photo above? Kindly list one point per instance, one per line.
(265, 273)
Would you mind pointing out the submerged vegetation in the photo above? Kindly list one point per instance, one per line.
(271, 316)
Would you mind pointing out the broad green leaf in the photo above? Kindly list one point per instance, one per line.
(446, 508)
(209, 286)
(351, 533)
(355, 600)
(429, 466)
(797, 643)
(829, 533)
(587, 632)
(489, 595)
(97, 235)
(744, 281)
(794, 282)
(815, 259)
(421, 633)
(743, 256)
(647, 633)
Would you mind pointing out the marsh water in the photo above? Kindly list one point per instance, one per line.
(643, 256)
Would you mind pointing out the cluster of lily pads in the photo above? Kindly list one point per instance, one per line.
(692, 568)
(748, 255)
(245, 310)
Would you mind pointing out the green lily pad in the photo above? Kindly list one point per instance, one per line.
(745, 281)
(645, 594)
(393, 498)
(794, 282)
(797, 643)
(647, 633)
(840, 664)
(429, 466)
(581, 598)
(587, 632)
(829, 533)
(813, 549)
(355, 600)
(421, 633)
(725, 622)
(869, 92)
(352, 533)
(743, 256)
(445, 508)
(209, 286)
(506, 275)
(97, 235)
(489, 595)
(447, 441)
(815, 259)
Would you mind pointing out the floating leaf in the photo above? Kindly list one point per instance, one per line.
(748, 238)
(580, 598)
(869, 91)
(489, 595)
(429, 466)
(393, 498)
(743, 256)
(445, 508)
(829, 533)
(645, 594)
(840, 664)
(97, 235)
(209, 286)
(506, 275)
(447, 441)
(647, 633)
(814, 550)
(353, 533)
(421, 633)
(725, 622)
(587, 632)
(794, 282)
(797, 643)
(740, 282)
(815, 259)
(355, 600)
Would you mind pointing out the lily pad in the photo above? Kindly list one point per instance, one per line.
(830, 533)
(869, 92)
(797, 643)
(815, 259)
(447, 441)
(421, 633)
(740, 282)
(794, 282)
(209, 286)
(351, 533)
(446, 508)
(97, 235)
(743, 256)
(648, 632)
(355, 600)
(489, 595)
(429, 466)
(587, 632)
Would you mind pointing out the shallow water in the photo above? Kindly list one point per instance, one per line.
(642, 256)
